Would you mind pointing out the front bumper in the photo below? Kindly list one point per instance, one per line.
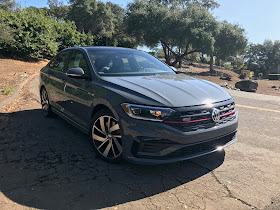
(146, 142)
(180, 153)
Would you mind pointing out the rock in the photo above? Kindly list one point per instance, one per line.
(224, 84)
(247, 85)
(228, 78)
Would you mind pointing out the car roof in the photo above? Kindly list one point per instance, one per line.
(100, 48)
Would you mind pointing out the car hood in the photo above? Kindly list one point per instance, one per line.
(167, 90)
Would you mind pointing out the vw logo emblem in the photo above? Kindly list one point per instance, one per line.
(216, 115)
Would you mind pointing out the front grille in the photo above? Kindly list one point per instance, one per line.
(190, 150)
(201, 119)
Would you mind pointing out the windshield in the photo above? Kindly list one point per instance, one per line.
(126, 63)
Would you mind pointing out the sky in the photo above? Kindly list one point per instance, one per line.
(259, 18)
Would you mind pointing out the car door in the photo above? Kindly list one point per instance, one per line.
(78, 108)
(57, 77)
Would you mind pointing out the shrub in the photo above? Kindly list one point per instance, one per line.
(38, 35)
(6, 35)
(227, 66)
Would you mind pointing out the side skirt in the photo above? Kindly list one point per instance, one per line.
(80, 127)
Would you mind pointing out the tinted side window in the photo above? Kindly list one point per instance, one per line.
(59, 62)
(77, 59)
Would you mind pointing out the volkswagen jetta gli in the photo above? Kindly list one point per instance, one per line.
(136, 107)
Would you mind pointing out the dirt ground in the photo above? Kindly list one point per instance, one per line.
(14, 72)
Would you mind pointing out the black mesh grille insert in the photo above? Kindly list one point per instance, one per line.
(185, 151)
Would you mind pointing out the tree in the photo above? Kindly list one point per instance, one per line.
(230, 41)
(92, 17)
(58, 9)
(180, 30)
(119, 36)
(208, 4)
(262, 58)
(7, 4)
(272, 59)
(255, 58)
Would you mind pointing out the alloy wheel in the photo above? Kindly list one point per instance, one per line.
(106, 137)
(45, 102)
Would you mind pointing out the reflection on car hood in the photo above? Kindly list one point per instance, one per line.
(167, 90)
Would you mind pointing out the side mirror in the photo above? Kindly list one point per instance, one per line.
(173, 68)
(76, 73)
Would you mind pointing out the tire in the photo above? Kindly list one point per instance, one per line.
(107, 141)
(46, 107)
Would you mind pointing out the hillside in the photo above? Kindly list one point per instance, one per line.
(199, 70)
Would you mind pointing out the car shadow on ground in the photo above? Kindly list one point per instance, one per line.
(48, 164)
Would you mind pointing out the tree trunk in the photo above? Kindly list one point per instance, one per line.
(211, 62)
(177, 59)
(178, 56)
(218, 62)
(166, 55)
(202, 59)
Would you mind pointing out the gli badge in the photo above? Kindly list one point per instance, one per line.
(185, 119)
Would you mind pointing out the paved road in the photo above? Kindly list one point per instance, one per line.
(48, 164)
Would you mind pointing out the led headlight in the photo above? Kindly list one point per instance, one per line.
(147, 112)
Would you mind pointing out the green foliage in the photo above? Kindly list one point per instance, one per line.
(227, 66)
(194, 57)
(262, 58)
(58, 9)
(237, 62)
(204, 59)
(92, 16)
(6, 35)
(119, 37)
(180, 30)
(38, 35)
(208, 4)
(230, 41)
(104, 21)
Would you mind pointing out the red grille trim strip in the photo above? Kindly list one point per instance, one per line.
(204, 119)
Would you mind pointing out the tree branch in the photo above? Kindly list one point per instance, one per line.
(166, 45)
(193, 51)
